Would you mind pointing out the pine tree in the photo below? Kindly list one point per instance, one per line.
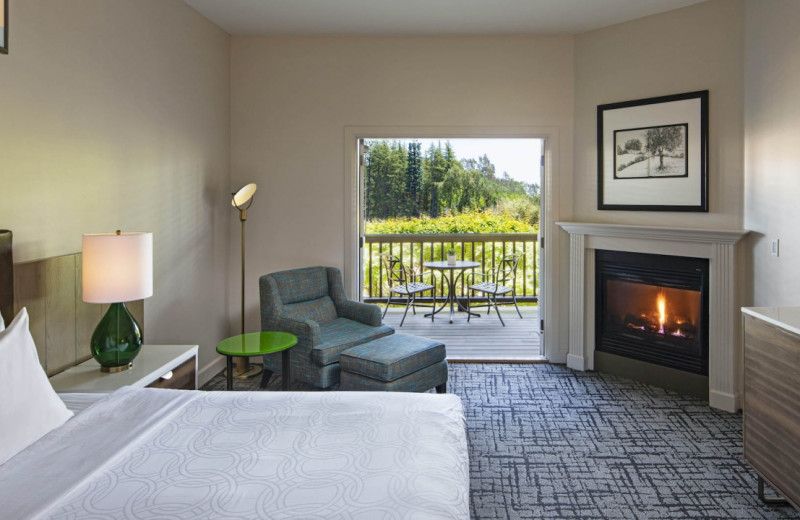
(414, 175)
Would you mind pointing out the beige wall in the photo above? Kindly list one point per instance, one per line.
(695, 48)
(772, 166)
(293, 97)
(115, 115)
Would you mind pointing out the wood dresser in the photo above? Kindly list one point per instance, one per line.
(772, 397)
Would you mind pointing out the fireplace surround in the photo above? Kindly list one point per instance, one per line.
(724, 252)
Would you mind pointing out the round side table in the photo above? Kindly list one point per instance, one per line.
(258, 344)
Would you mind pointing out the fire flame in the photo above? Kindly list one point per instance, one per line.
(662, 313)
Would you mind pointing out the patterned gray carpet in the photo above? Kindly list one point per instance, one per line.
(548, 442)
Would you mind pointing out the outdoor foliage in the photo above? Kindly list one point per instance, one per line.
(503, 221)
(404, 182)
(409, 192)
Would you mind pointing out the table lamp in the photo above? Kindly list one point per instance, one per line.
(117, 268)
(242, 200)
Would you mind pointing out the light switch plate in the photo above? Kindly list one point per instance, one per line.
(775, 247)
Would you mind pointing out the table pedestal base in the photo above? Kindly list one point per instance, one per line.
(452, 298)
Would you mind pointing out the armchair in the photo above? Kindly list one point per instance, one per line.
(311, 304)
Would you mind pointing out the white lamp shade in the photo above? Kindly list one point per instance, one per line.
(244, 194)
(117, 268)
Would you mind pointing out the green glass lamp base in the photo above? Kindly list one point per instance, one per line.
(117, 339)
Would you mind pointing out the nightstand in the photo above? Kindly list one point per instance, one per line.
(156, 366)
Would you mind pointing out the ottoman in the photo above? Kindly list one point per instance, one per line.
(396, 363)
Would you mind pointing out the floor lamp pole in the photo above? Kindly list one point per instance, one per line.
(243, 218)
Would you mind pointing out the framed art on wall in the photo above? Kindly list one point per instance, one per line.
(4, 26)
(652, 154)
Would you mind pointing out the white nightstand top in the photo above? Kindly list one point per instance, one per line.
(152, 362)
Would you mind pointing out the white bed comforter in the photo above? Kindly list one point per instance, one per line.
(148, 453)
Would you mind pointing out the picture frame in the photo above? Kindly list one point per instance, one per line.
(652, 154)
(4, 26)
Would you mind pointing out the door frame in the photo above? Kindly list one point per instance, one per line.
(549, 276)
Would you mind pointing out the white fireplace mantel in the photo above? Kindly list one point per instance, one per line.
(725, 266)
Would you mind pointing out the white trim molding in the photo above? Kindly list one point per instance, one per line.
(720, 246)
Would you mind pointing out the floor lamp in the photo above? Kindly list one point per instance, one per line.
(242, 200)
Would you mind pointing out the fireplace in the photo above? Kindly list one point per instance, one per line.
(653, 308)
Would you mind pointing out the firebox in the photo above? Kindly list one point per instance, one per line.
(653, 308)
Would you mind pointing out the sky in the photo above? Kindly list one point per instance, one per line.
(518, 157)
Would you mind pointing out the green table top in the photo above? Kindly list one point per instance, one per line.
(256, 343)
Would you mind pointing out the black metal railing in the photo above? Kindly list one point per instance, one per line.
(486, 248)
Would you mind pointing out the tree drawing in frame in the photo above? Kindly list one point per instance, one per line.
(651, 152)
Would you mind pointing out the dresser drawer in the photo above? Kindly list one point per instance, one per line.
(182, 377)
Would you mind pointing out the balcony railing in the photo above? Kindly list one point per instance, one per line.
(414, 250)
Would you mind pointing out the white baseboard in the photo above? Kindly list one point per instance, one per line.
(210, 370)
(576, 362)
(724, 401)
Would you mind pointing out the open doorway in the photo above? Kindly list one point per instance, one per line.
(479, 198)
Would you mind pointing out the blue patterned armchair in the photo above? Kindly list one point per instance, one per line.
(311, 304)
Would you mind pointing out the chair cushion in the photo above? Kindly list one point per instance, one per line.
(320, 310)
(297, 285)
(341, 334)
(392, 357)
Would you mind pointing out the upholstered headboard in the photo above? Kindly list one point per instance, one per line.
(60, 322)
(6, 276)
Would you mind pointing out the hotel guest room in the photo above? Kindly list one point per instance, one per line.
(154, 118)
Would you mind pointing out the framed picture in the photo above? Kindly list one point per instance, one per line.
(652, 154)
(4, 26)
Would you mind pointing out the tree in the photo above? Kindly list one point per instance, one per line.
(661, 140)
(436, 166)
(633, 144)
(414, 175)
(486, 167)
(384, 183)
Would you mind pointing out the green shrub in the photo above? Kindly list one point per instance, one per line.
(473, 222)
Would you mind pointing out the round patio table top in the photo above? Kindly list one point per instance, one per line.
(460, 264)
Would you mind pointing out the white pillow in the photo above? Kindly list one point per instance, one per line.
(2, 323)
(29, 407)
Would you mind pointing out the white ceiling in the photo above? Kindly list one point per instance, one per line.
(424, 17)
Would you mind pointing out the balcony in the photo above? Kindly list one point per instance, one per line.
(482, 338)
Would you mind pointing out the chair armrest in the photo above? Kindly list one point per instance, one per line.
(365, 313)
(471, 276)
(421, 277)
(307, 331)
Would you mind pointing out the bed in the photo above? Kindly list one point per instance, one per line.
(154, 453)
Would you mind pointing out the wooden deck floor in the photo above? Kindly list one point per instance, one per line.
(483, 339)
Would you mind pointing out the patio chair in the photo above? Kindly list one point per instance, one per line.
(406, 283)
(500, 281)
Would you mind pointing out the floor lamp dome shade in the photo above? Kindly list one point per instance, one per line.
(117, 268)
(244, 197)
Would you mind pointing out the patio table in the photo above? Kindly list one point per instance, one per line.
(455, 271)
